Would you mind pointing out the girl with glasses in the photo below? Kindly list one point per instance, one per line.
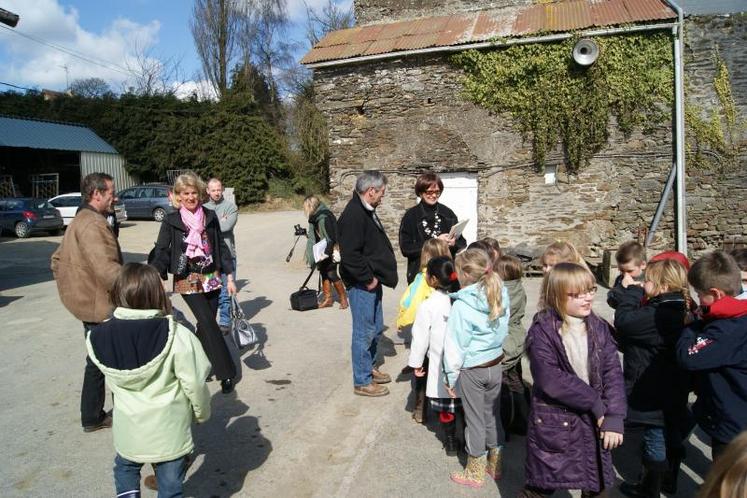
(578, 399)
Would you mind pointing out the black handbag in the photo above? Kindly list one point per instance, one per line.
(304, 298)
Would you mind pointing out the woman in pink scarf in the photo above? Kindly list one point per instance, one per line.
(190, 247)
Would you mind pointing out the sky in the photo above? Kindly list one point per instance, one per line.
(108, 35)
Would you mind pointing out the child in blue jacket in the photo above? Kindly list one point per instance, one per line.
(715, 346)
(473, 352)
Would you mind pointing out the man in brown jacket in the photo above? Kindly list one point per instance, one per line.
(85, 267)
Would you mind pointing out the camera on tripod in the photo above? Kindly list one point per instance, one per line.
(298, 231)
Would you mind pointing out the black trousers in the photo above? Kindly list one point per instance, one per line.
(204, 307)
(328, 270)
(92, 395)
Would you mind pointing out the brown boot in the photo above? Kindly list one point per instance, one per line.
(327, 290)
(494, 467)
(473, 474)
(340, 288)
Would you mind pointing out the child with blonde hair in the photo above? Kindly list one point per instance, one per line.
(417, 292)
(560, 252)
(649, 321)
(728, 476)
(578, 397)
(477, 327)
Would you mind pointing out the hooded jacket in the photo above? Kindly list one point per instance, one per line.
(472, 338)
(563, 445)
(513, 346)
(655, 386)
(156, 371)
(716, 348)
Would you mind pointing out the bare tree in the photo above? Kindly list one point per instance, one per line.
(91, 88)
(153, 75)
(215, 26)
(330, 17)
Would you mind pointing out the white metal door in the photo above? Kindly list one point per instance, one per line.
(460, 194)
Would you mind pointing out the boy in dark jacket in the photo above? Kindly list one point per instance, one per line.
(716, 347)
(631, 262)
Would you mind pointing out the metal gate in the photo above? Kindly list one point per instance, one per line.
(171, 174)
(7, 187)
(45, 186)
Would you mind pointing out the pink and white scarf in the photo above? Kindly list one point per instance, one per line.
(195, 223)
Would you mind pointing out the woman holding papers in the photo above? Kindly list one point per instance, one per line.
(427, 220)
(321, 249)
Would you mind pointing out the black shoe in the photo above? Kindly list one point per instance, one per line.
(226, 386)
(451, 444)
(105, 423)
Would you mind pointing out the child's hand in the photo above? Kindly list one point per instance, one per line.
(629, 280)
(610, 440)
(419, 372)
(451, 391)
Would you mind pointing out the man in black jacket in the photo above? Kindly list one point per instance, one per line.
(368, 262)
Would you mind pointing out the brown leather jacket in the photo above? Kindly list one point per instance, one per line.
(86, 265)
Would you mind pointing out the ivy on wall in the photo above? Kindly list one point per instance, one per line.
(715, 142)
(552, 99)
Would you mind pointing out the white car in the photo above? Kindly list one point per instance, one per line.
(68, 204)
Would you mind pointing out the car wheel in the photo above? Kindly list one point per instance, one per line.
(22, 230)
(159, 214)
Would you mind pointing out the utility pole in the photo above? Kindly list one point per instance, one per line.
(67, 76)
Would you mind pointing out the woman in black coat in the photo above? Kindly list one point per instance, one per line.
(190, 247)
(428, 219)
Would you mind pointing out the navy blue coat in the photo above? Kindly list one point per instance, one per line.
(717, 351)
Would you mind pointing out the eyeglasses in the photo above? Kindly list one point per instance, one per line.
(588, 293)
(432, 192)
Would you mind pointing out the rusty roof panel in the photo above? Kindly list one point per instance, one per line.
(380, 47)
(368, 33)
(567, 16)
(530, 20)
(609, 12)
(493, 25)
(443, 31)
(339, 37)
(648, 10)
(416, 41)
(456, 31)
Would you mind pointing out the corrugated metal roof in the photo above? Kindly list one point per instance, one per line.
(474, 27)
(36, 134)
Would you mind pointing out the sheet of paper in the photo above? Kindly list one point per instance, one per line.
(319, 250)
(456, 230)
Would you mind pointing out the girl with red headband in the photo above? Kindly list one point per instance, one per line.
(428, 333)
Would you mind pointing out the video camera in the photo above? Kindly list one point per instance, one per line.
(298, 231)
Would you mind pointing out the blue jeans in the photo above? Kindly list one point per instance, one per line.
(224, 301)
(368, 325)
(169, 475)
(654, 444)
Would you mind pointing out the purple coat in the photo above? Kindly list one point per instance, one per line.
(563, 446)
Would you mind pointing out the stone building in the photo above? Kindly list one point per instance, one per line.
(393, 102)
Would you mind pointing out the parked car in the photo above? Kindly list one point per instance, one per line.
(146, 201)
(24, 216)
(68, 204)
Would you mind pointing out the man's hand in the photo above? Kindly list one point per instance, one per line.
(446, 238)
(374, 283)
(419, 372)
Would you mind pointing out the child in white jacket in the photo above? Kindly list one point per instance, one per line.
(428, 334)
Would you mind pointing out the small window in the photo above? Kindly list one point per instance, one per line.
(162, 192)
(127, 194)
(145, 193)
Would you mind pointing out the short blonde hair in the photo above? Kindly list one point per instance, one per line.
(668, 273)
(475, 266)
(188, 180)
(310, 204)
(565, 252)
(433, 248)
(564, 279)
(728, 475)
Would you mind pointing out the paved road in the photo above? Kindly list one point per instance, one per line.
(293, 427)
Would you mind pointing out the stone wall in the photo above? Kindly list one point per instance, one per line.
(377, 11)
(405, 116)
